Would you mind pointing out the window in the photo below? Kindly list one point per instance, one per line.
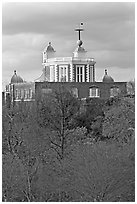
(63, 73)
(74, 92)
(46, 91)
(7, 88)
(30, 93)
(94, 92)
(25, 93)
(19, 94)
(52, 73)
(114, 91)
(80, 74)
(22, 93)
(16, 93)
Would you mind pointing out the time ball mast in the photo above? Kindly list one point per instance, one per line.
(80, 29)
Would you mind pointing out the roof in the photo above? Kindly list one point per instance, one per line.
(49, 48)
(107, 78)
(16, 79)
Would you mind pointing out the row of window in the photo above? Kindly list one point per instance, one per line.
(26, 93)
(94, 92)
(63, 73)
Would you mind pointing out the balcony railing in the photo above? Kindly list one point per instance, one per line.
(68, 59)
(58, 59)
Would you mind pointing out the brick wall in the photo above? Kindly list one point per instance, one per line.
(83, 87)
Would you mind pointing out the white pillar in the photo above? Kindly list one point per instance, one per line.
(87, 72)
(51, 74)
(71, 72)
(83, 75)
(56, 74)
(76, 73)
(67, 73)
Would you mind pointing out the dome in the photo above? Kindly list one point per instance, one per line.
(107, 78)
(16, 79)
(49, 48)
(80, 49)
(79, 52)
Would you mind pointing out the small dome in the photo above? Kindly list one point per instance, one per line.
(107, 78)
(49, 48)
(16, 79)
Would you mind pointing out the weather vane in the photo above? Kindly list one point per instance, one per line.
(79, 29)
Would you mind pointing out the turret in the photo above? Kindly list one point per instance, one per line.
(16, 79)
(107, 78)
(48, 52)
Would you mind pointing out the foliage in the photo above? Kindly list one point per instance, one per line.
(91, 118)
(88, 171)
(119, 123)
(131, 87)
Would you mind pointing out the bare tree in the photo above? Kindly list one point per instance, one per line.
(56, 114)
(17, 123)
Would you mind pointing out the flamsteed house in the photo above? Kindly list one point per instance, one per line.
(75, 73)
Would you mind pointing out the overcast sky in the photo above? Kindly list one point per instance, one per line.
(109, 36)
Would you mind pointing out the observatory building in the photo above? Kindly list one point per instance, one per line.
(75, 73)
(77, 68)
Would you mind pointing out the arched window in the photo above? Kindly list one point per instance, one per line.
(114, 91)
(94, 92)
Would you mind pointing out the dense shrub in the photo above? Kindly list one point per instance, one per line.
(119, 123)
(91, 114)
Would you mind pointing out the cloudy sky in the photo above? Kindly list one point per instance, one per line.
(108, 36)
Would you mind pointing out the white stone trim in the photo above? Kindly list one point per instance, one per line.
(66, 73)
(56, 73)
(83, 73)
(76, 73)
(87, 77)
(71, 72)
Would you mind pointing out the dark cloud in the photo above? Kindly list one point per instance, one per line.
(50, 17)
(109, 34)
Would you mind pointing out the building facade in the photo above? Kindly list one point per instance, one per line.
(19, 90)
(76, 73)
(83, 90)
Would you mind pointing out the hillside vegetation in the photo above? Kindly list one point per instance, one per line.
(54, 151)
